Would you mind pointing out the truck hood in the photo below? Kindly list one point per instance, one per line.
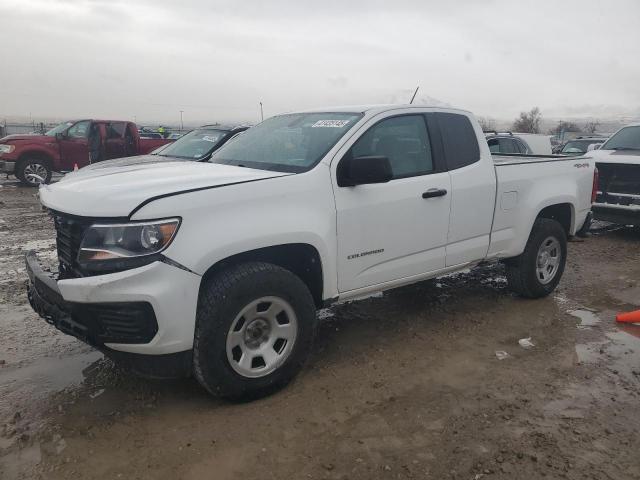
(31, 138)
(115, 191)
(628, 157)
(129, 161)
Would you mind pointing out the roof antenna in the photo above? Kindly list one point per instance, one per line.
(414, 95)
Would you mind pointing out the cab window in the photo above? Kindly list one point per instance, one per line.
(459, 140)
(79, 130)
(403, 140)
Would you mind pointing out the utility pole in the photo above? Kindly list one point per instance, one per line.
(261, 113)
(181, 123)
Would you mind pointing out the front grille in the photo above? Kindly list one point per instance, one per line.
(618, 184)
(69, 233)
(127, 322)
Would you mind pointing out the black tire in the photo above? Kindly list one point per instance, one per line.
(222, 298)
(23, 167)
(522, 275)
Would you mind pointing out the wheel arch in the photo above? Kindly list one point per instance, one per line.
(563, 213)
(39, 154)
(302, 259)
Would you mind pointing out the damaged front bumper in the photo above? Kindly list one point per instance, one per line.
(123, 324)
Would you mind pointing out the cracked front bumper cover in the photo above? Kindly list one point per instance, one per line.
(99, 323)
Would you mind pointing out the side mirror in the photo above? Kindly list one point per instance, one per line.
(60, 136)
(594, 146)
(354, 171)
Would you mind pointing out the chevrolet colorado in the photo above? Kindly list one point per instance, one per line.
(216, 269)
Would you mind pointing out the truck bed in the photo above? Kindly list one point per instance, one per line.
(517, 159)
(527, 184)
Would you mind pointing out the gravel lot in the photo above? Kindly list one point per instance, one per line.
(401, 385)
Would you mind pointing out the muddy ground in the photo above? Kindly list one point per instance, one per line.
(402, 385)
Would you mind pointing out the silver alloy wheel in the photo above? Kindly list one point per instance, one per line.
(548, 260)
(35, 173)
(261, 337)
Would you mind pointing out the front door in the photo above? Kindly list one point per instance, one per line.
(398, 229)
(74, 147)
(115, 142)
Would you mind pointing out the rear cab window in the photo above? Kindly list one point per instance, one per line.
(459, 140)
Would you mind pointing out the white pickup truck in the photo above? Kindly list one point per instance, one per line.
(217, 269)
(618, 163)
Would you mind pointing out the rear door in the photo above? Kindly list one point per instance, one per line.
(74, 148)
(473, 185)
(115, 141)
(398, 229)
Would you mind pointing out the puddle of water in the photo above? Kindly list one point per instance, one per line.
(630, 295)
(625, 340)
(620, 347)
(587, 318)
(589, 352)
(624, 347)
(24, 388)
(49, 373)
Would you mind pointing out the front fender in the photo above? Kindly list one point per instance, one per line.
(223, 222)
(49, 153)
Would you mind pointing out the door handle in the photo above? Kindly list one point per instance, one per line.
(434, 192)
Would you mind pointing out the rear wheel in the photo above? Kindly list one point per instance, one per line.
(33, 172)
(537, 272)
(254, 329)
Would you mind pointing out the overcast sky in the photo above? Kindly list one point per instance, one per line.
(217, 60)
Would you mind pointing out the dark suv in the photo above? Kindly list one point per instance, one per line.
(507, 143)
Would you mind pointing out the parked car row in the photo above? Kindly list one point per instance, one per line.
(71, 145)
(509, 143)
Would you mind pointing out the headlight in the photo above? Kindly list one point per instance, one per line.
(110, 243)
(5, 148)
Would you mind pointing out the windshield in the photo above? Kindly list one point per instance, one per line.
(196, 144)
(287, 143)
(577, 146)
(627, 138)
(59, 129)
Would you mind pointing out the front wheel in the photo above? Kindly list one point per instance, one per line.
(33, 171)
(254, 329)
(537, 272)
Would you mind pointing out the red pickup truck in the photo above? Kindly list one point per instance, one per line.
(33, 158)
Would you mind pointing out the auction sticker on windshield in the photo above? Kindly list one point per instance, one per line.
(330, 123)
